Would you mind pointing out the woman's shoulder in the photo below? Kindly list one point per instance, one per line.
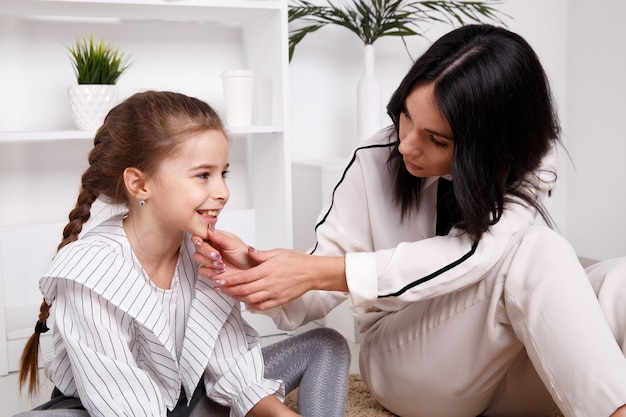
(383, 139)
(373, 152)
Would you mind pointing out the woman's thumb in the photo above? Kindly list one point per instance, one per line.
(260, 255)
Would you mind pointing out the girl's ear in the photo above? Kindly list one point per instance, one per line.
(135, 181)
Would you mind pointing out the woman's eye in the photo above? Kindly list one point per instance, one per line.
(203, 176)
(437, 143)
(225, 174)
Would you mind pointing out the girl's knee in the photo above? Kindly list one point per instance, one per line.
(331, 341)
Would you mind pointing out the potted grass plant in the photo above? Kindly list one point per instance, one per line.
(371, 20)
(97, 66)
(374, 19)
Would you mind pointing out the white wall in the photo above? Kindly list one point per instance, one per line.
(597, 127)
(578, 42)
(34, 77)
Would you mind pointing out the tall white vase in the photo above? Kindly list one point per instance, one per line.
(369, 98)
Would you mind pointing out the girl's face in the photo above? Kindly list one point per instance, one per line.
(189, 190)
(426, 142)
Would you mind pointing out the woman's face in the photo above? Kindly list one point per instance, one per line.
(426, 142)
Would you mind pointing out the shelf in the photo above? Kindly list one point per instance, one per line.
(176, 45)
(244, 130)
(42, 136)
(116, 10)
(54, 135)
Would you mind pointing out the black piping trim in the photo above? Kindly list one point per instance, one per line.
(434, 274)
(343, 176)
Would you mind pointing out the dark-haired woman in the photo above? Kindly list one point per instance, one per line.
(464, 307)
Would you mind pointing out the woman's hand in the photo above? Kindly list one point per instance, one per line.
(220, 251)
(281, 276)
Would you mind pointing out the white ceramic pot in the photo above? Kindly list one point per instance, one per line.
(90, 103)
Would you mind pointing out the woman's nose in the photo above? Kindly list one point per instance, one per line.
(409, 145)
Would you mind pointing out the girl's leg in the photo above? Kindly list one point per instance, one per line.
(58, 406)
(318, 362)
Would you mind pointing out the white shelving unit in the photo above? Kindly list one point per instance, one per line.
(179, 45)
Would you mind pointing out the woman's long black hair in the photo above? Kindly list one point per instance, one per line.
(494, 93)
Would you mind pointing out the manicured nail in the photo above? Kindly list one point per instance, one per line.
(216, 256)
(220, 282)
(219, 271)
(218, 265)
(197, 242)
(212, 227)
(251, 249)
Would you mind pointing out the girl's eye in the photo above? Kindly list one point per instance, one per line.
(225, 173)
(437, 143)
(203, 176)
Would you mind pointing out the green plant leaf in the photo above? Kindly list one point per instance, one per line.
(372, 19)
(97, 63)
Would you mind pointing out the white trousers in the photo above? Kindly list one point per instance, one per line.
(529, 339)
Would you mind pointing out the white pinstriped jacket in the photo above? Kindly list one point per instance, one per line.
(113, 347)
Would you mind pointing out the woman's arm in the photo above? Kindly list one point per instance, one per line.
(385, 260)
(266, 279)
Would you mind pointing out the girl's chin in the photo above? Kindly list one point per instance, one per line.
(200, 231)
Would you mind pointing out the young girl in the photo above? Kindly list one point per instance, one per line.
(136, 331)
(465, 308)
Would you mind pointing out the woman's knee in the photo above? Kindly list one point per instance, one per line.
(541, 256)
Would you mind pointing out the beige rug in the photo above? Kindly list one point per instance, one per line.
(360, 401)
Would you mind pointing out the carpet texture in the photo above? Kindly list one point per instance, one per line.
(360, 400)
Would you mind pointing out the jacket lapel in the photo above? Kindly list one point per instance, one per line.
(209, 312)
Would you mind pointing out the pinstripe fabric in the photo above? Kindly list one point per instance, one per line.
(113, 341)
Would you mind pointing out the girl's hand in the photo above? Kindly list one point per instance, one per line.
(271, 406)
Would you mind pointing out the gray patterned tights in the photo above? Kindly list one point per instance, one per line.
(318, 362)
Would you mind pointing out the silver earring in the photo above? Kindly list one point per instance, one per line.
(142, 203)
